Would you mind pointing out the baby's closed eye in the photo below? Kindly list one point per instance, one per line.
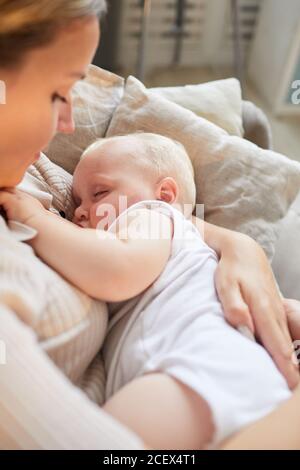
(101, 193)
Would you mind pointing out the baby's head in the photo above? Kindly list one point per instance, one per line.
(130, 168)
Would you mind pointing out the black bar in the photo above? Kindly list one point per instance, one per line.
(136, 459)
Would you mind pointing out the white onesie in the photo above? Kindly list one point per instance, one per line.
(177, 327)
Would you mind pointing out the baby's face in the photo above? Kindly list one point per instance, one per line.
(106, 182)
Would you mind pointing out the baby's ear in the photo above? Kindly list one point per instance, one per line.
(167, 190)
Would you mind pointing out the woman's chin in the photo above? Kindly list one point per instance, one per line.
(10, 182)
(33, 158)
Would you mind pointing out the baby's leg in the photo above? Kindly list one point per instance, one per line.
(164, 412)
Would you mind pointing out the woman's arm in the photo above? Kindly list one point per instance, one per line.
(40, 408)
(249, 295)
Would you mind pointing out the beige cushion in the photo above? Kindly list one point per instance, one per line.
(243, 187)
(219, 102)
(94, 101)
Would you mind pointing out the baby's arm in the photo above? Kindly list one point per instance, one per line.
(105, 266)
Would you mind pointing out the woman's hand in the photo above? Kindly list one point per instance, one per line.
(19, 206)
(250, 297)
(292, 310)
(249, 294)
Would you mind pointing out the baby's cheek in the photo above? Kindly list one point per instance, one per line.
(102, 216)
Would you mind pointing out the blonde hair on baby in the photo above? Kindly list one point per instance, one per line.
(168, 156)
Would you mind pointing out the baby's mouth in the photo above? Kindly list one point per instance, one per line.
(82, 224)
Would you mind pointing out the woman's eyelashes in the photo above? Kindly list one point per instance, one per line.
(56, 96)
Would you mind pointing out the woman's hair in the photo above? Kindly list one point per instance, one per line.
(27, 24)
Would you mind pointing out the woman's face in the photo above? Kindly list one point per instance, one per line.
(38, 101)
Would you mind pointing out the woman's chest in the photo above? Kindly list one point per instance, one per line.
(69, 325)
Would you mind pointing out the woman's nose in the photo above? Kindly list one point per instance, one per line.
(65, 122)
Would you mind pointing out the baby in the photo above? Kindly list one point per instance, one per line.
(177, 373)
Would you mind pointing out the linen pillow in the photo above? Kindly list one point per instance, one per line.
(94, 101)
(219, 102)
(242, 186)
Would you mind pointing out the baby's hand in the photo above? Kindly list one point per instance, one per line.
(19, 206)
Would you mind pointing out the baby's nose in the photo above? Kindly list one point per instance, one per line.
(80, 215)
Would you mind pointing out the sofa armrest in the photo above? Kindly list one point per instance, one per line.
(256, 125)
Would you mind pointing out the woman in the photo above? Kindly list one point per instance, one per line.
(45, 47)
